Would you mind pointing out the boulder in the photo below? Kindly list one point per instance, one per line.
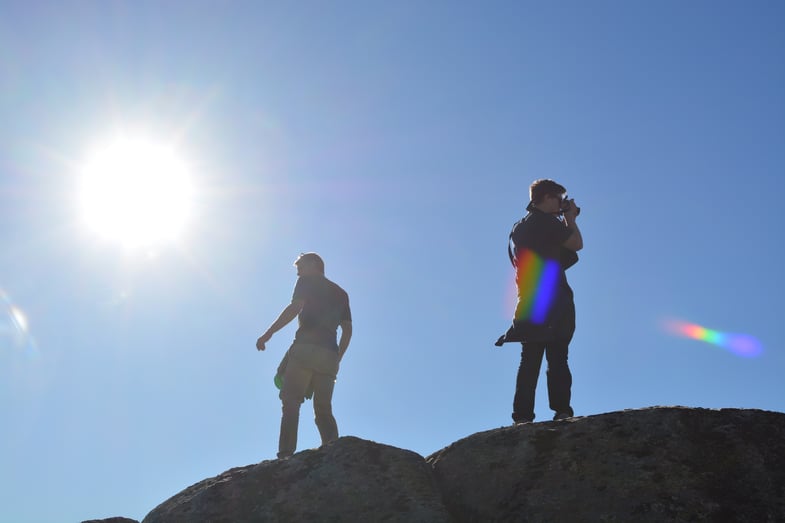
(111, 520)
(349, 480)
(659, 464)
(655, 464)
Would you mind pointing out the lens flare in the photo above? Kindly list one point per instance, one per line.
(15, 328)
(740, 344)
(537, 284)
(18, 317)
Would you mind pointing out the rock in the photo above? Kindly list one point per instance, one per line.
(660, 464)
(111, 520)
(655, 464)
(349, 480)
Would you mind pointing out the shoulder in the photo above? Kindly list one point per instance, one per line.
(520, 226)
(544, 223)
(337, 289)
(533, 223)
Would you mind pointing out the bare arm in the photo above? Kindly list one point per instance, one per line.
(346, 336)
(288, 314)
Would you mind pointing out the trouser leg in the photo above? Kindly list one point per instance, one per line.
(526, 382)
(323, 385)
(296, 379)
(559, 377)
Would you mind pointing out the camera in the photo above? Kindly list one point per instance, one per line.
(566, 204)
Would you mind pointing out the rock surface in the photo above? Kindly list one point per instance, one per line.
(350, 480)
(657, 464)
(111, 520)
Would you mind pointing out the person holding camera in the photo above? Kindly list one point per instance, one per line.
(544, 245)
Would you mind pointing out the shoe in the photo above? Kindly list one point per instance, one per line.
(561, 415)
(523, 422)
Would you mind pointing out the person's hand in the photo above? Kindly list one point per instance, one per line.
(572, 211)
(264, 338)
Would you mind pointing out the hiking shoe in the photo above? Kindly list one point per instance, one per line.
(522, 422)
(561, 415)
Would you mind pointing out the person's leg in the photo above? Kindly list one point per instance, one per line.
(279, 374)
(526, 382)
(323, 385)
(295, 381)
(559, 377)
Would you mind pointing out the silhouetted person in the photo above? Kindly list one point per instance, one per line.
(311, 364)
(544, 246)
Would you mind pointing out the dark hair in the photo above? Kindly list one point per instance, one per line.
(541, 188)
(311, 257)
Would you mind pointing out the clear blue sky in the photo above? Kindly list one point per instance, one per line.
(397, 139)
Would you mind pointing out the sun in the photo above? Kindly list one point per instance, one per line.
(136, 192)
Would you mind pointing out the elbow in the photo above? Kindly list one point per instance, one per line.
(295, 307)
(577, 241)
(574, 244)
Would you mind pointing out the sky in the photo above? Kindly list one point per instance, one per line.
(398, 140)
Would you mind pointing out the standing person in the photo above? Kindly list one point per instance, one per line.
(311, 364)
(545, 243)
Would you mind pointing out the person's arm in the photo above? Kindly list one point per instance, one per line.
(574, 241)
(288, 314)
(346, 336)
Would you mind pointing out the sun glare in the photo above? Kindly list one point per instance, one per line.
(135, 192)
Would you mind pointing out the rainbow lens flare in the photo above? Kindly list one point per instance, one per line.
(739, 344)
(538, 281)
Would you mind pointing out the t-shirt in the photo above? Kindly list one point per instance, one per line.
(325, 306)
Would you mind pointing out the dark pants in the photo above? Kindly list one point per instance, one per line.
(558, 373)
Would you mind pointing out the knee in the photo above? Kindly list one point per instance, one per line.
(290, 407)
(558, 366)
(322, 409)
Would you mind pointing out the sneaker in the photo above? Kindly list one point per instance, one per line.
(561, 415)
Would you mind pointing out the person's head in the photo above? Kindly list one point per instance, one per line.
(309, 263)
(546, 195)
